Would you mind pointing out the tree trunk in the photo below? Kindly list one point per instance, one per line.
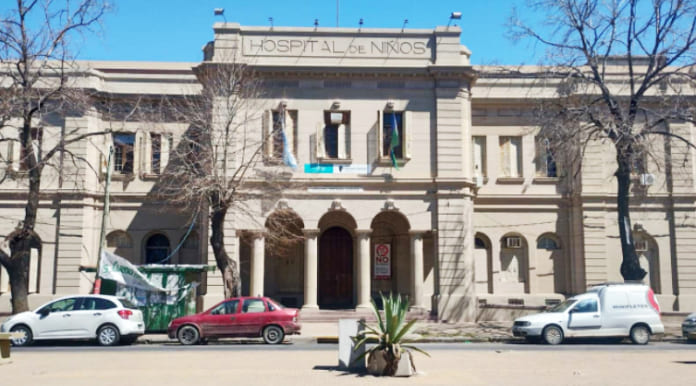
(25, 238)
(630, 266)
(231, 279)
(17, 266)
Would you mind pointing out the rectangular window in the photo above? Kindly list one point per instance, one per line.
(545, 160)
(156, 161)
(479, 155)
(334, 135)
(393, 130)
(284, 123)
(511, 156)
(123, 152)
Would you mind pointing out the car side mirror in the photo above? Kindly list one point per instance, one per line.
(44, 312)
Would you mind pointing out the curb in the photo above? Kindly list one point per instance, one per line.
(455, 339)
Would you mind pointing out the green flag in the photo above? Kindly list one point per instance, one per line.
(395, 142)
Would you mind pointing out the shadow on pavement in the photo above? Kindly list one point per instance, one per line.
(342, 371)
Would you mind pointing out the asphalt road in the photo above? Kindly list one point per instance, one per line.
(236, 345)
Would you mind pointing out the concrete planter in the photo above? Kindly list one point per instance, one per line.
(377, 364)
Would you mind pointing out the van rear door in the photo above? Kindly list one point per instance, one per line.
(585, 315)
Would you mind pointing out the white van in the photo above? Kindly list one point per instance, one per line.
(607, 310)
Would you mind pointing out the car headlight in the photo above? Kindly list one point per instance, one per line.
(522, 323)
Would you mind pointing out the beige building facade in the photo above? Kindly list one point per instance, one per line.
(470, 213)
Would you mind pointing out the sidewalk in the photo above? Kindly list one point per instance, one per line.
(327, 332)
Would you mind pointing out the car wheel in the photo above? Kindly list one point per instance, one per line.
(640, 334)
(188, 335)
(24, 341)
(552, 335)
(108, 335)
(273, 335)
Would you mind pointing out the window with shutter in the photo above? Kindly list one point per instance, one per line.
(282, 122)
(124, 144)
(479, 155)
(334, 136)
(510, 156)
(544, 159)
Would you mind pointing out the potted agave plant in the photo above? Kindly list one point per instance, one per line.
(389, 356)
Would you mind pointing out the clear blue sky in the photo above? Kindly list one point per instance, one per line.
(175, 30)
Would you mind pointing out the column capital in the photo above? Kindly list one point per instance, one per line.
(310, 232)
(417, 232)
(250, 233)
(363, 232)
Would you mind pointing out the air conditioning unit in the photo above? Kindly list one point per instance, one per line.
(641, 245)
(513, 242)
(647, 179)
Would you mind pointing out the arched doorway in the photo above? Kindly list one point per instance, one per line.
(157, 249)
(514, 265)
(483, 271)
(336, 269)
(391, 228)
(284, 258)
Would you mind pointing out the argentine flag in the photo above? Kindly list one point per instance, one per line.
(288, 158)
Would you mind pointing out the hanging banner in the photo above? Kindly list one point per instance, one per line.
(120, 270)
(382, 261)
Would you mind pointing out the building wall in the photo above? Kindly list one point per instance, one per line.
(437, 200)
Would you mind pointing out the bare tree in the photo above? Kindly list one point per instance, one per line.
(37, 73)
(220, 165)
(624, 70)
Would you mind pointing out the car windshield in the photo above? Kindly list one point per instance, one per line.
(562, 306)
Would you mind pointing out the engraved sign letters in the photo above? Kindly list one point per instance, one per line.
(337, 47)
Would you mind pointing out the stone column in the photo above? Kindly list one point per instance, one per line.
(363, 271)
(257, 264)
(417, 270)
(496, 268)
(310, 269)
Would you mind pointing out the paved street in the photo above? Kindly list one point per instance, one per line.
(313, 364)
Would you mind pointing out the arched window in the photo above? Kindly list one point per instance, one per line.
(156, 249)
(513, 274)
(548, 242)
(648, 258)
(119, 239)
(479, 243)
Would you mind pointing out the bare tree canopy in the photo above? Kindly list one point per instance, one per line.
(623, 71)
(219, 164)
(36, 71)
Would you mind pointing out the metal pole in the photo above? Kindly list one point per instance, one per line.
(105, 214)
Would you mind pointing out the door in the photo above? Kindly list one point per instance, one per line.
(585, 316)
(222, 320)
(336, 269)
(253, 317)
(58, 323)
(85, 318)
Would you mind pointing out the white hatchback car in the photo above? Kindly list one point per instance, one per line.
(109, 319)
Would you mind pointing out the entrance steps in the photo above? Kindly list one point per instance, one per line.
(322, 316)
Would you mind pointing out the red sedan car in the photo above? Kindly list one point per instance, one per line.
(237, 317)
